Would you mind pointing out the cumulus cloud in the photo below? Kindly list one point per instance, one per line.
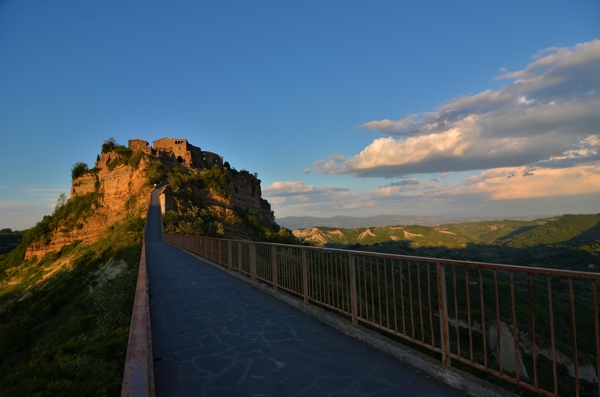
(544, 182)
(306, 171)
(547, 115)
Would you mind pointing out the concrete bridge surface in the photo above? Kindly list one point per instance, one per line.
(214, 335)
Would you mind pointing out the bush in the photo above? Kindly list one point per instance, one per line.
(109, 145)
(78, 169)
(217, 178)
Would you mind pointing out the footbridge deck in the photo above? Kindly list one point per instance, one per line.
(214, 335)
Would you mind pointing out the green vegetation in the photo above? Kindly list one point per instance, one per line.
(64, 330)
(183, 181)
(194, 222)
(565, 242)
(125, 155)
(263, 231)
(568, 230)
(109, 145)
(78, 170)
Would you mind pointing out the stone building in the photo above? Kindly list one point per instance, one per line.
(140, 145)
(178, 150)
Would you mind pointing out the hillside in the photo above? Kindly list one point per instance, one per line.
(66, 290)
(568, 230)
(445, 235)
(367, 236)
(568, 241)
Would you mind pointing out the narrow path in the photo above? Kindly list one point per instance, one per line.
(214, 335)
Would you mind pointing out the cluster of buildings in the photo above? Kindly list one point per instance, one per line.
(177, 150)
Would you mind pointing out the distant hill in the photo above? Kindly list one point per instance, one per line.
(9, 240)
(446, 235)
(349, 222)
(570, 230)
(562, 242)
(573, 230)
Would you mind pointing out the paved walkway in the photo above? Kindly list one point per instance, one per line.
(214, 335)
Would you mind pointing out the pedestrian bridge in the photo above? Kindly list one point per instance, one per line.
(232, 318)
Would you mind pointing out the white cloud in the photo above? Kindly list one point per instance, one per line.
(542, 182)
(383, 125)
(294, 188)
(506, 191)
(549, 113)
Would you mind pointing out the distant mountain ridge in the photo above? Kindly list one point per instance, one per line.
(350, 222)
(573, 230)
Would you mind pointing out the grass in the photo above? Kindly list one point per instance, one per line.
(68, 335)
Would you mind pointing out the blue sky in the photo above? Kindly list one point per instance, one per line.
(343, 108)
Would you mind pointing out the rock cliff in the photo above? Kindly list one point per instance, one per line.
(240, 196)
(121, 190)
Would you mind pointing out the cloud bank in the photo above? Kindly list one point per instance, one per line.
(547, 117)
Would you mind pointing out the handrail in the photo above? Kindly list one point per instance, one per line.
(138, 377)
(524, 325)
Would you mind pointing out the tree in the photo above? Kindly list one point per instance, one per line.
(109, 145)
(62, 200)
(78, 170)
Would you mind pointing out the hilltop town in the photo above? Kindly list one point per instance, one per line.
(177, 150)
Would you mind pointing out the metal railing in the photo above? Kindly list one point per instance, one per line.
(534, 327)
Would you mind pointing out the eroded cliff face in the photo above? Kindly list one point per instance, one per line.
(247, 194)
(121, 191)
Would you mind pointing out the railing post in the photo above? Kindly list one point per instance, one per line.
(443, 307)
(304, 275)
(212, 249)
(229, 254)
(253, 261)
(353, 301)
(274, 266)
(239, 257)
(219, 248)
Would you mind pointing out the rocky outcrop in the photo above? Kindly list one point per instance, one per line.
(245, 195)
(321, 237)
(120, 191)
(246, 192)
(510, 355)
(524, 343)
